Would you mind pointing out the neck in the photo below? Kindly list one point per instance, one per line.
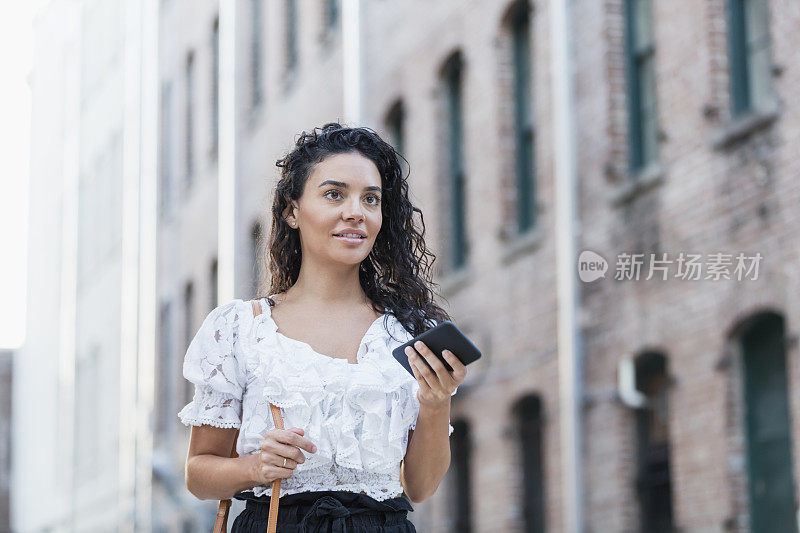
(327, 285)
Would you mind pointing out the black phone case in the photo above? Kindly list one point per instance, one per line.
(443, 336)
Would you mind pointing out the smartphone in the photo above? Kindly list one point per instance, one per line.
(444, 336)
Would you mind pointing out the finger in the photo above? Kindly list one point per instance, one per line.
(416, 373)
(280, 450)
(287, 437)
(455, 375)
(436, 365)
(296, 440)
(430, 376)
(299, 431)
(272, 472)
(415, 357)
(277, 461)
(421, 379)
(459, 368)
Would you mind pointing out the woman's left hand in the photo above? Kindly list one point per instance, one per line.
(437, 385)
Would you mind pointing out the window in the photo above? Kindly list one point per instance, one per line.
(528, 414)
(166, 377)
(188, 332)
(640, 52)
(749, 51)
(452, 78)
(767, 425)
(291, 34)
(460, 454)
(394, 121)
(189, 147)
(165, 162)
(212, 284)
(215, 88)
(331, 13)
(255, 254)
(523, 117)
(654, 485)
(256, 42)
(395, 124)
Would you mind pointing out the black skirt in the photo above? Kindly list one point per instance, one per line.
(325, 511)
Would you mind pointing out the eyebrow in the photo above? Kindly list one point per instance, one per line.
(346, 186)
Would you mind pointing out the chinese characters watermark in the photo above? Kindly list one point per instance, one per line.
(686, 266)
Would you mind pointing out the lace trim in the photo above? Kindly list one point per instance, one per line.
(380, 486)
(213, 408)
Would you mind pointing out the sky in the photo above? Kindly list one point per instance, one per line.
(16, 59)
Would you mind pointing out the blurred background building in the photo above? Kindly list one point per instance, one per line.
(156, 127)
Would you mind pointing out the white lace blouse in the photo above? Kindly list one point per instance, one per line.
(358, 415)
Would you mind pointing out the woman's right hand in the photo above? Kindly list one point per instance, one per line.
(277, 445)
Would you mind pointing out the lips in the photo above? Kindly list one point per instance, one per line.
(354, 241)
(362, 233)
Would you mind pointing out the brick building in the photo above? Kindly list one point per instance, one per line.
(684, 122)
(685, 141)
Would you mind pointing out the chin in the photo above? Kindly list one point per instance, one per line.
(347, 260)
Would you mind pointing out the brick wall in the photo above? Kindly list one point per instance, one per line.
(707, 198)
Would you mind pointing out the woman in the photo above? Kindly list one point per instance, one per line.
(345, 257)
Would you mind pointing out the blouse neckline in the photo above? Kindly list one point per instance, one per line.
(267, 313)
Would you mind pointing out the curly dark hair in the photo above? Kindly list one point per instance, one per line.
(396, 275)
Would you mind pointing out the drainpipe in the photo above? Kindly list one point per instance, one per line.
(351, 62)
(567, 228)
(228, 150)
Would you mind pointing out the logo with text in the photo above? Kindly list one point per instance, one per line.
(591, 266)
(686, 266)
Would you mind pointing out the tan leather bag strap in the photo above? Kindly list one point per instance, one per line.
(221, 523)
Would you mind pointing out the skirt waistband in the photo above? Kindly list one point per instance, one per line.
(318, 504)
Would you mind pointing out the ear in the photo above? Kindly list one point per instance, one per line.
(290, 213)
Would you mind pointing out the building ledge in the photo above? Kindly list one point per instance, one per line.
(521, 244)
(638, 183)
(742, 127)
(453, 281)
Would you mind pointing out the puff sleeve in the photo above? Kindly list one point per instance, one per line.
(212, 364)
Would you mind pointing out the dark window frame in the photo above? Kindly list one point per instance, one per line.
(653, 478)
(461, 465)
(640, 59)
(256, 53)
(529, 417)
(524, 124)
(214, 148)
(188, 331)
(292, 52)
(189, 95)
(166, 170)
(331, 13)
(453, 74)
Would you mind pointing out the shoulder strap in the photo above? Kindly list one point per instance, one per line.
(221, 523)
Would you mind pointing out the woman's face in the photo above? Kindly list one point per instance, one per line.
(343, 193)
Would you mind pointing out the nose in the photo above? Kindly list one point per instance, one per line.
(353, 210)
